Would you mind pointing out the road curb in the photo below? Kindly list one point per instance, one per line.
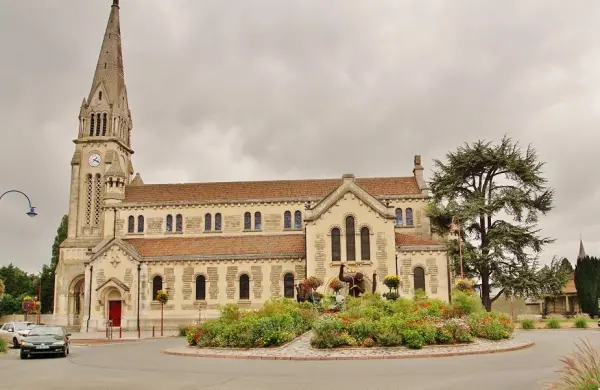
(354, 357)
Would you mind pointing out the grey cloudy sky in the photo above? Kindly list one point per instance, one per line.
(244, 90)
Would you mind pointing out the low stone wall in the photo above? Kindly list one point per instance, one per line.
(45, 318)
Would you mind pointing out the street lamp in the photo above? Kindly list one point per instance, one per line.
(456, 226)
(31, 211)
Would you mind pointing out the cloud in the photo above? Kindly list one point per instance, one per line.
(264, 89)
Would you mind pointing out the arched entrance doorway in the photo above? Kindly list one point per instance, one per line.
(113, 307)
(76, 300)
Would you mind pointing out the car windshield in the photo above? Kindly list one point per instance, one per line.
(23, 325)
(46, 331)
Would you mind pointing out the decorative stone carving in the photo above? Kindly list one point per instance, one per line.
(257, 278)
(193, 225)
(272, 223)
(320, 256)
(154, 226)
(213, 279)
(232, 223)
(275, 277)
(381, 254)
(186, 282)
(230, 278)
(170, 278)
(405, 271)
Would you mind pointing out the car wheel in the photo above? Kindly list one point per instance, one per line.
(15, 343)
(23, 355)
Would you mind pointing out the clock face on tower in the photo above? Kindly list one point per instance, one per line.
(94, 160)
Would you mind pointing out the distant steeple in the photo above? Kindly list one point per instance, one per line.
(581, 250)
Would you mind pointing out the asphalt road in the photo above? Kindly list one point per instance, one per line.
(141, 366)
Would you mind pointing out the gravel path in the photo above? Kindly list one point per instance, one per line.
(300, 349)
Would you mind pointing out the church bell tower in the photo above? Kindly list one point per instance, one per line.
(103, 145)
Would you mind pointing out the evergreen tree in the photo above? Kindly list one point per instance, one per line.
(566, 265)
(587, 279)
(495, 193)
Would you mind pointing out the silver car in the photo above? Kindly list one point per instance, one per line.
(15, 331)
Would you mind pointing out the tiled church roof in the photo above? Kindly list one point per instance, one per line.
(275, 245)
(408, 240)
(264, 190)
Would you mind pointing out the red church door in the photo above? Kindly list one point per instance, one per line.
(114, 312)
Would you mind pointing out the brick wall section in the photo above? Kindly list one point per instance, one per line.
(170, 278)
(230, 278)
(432, 268)
(275, 277)
(320, 256)
(257, 281)
(213, 280)
(186, 282)
(381, 255)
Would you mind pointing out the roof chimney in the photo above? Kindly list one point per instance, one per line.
(347, 177)
(418, 174)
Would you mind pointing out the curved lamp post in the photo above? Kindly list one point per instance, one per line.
(456, 226)
(31, 211)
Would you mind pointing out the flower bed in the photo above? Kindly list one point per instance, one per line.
(372, 321)
(277, 322)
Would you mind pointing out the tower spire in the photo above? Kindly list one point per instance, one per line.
(581, 250)
(109, 69)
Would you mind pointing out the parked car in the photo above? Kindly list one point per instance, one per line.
(46, 340)
(13, 332)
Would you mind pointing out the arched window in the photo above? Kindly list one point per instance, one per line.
(247, 221)
(131, 224)
(336, 247)
(398, 217)
(156, 286)
(287, 220)
(92, 123)
(409, 217)
(200, 288)
(104, 123)
(218, 222)
(97, 124)
(365, 244)
(179, 223)
(350, 243)
(141, 224)
(207, 222)
(297, 219)
(419, 278)
(257, 221)
(169, 227)
(88, 204)
(288, 286)
(244, 287)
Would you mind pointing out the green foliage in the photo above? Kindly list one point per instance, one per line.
(527, 324)
(412, 323)
(587, 279)
(1, 288)
(16, 281)
(581, 370)
(581, 322)
(479, 184)
(553, 323)
(466, 303)
(277, 322)
(9, 305)
(491, 325)
(3, 345)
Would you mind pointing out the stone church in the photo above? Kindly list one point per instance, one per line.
(209, 244)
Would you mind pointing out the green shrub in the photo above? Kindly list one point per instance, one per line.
(279, 321)
(466, 303)
(444, 335)
(361, 329)
(413, 339)
(581, 322)
(328, 332)
(553, 323)
(527, 324)
(3, 345)
(491, 325)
